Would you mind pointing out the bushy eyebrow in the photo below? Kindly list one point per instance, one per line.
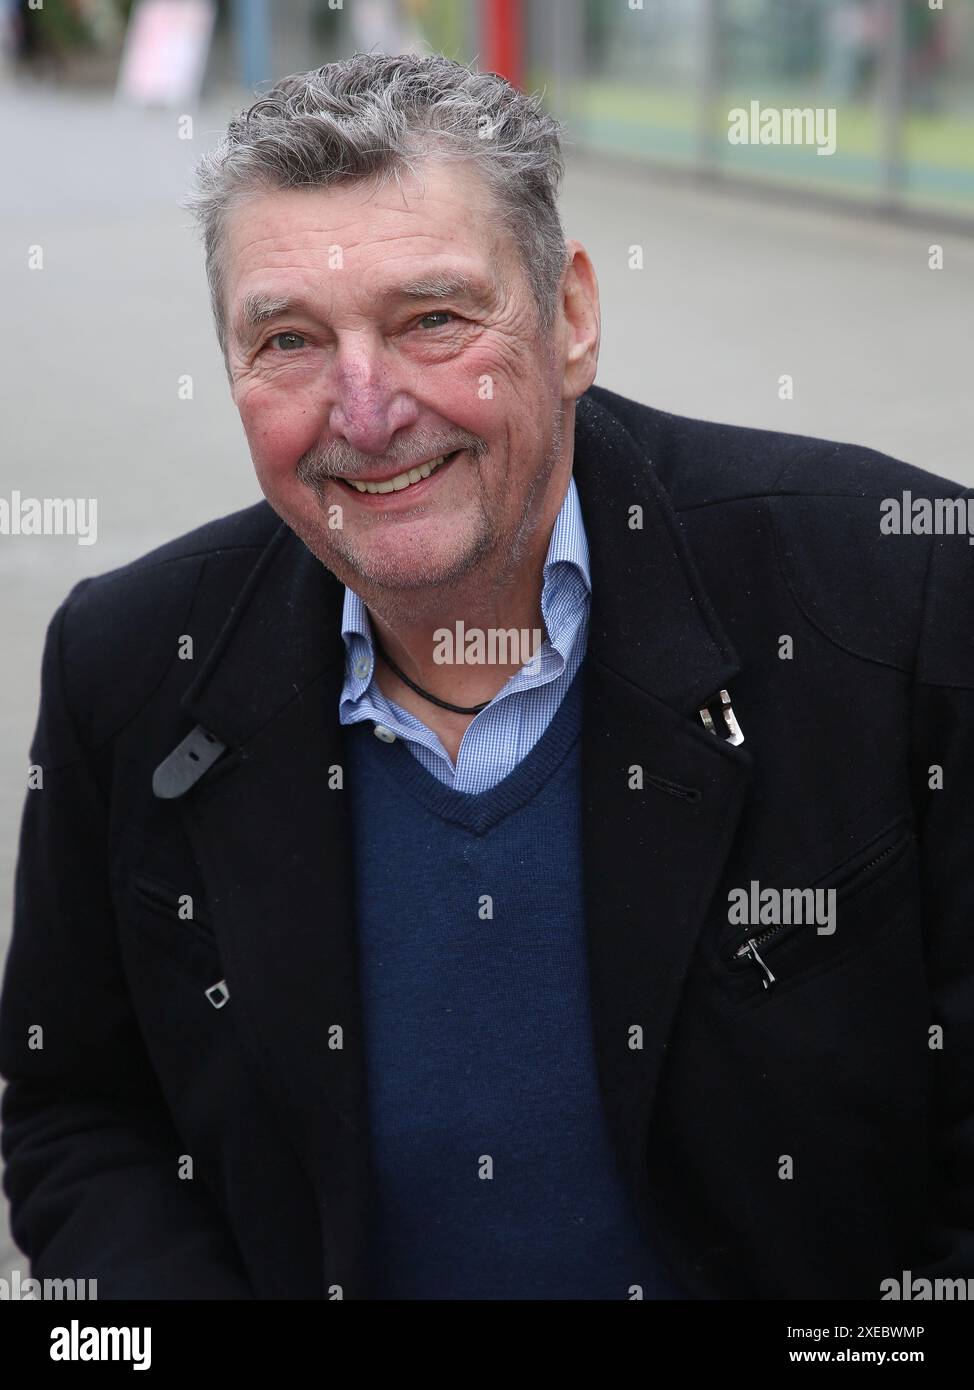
(436, 287)
(257, 309)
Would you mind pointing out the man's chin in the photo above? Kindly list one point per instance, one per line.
(370, 569)
(375, 574)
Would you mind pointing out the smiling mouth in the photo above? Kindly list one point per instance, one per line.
(404, 480)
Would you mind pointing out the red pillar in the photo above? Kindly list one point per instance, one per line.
(503, 45)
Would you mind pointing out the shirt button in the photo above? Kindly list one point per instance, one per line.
(362, 667)
(386, 735)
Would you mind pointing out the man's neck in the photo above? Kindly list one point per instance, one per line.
(447, 647)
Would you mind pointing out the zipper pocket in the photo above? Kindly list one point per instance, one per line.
(750, 949)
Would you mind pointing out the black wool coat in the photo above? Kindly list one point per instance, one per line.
(809, 1137)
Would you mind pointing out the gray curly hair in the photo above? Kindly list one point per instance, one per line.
(373, 116)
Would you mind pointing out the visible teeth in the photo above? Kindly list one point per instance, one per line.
(402, 480)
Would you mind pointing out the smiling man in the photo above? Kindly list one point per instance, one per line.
(411, 890)
(403, 386)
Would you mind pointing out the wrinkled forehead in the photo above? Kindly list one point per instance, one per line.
(433, 234)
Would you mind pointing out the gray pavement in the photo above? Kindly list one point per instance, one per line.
(734, 293)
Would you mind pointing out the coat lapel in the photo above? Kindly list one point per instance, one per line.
(653, 853)
(270, 829)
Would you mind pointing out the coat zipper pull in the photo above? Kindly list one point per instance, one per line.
(750, 950)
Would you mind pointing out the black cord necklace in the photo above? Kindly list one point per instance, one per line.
(433, 699)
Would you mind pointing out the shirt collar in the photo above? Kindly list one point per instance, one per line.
(568, 544)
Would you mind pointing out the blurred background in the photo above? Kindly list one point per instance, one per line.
(648, 79)
(723, 267)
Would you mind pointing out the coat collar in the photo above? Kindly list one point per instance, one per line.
(269, 823)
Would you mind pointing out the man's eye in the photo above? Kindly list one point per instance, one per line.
(287, 342)
(437, 314)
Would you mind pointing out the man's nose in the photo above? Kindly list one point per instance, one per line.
(371, 401)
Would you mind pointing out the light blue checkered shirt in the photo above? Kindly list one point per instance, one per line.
(505, 732)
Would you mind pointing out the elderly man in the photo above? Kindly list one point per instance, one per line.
(528, 856)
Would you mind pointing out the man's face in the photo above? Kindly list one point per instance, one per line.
(369, 373)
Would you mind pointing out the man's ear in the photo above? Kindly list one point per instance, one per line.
(581, 322)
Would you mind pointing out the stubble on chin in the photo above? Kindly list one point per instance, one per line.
(394, 586)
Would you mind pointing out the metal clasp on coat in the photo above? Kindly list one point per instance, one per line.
(218, 994)
(733, 734)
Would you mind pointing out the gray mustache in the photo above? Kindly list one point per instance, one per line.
(339, 461)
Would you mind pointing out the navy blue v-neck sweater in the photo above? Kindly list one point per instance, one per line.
(494, 1174)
